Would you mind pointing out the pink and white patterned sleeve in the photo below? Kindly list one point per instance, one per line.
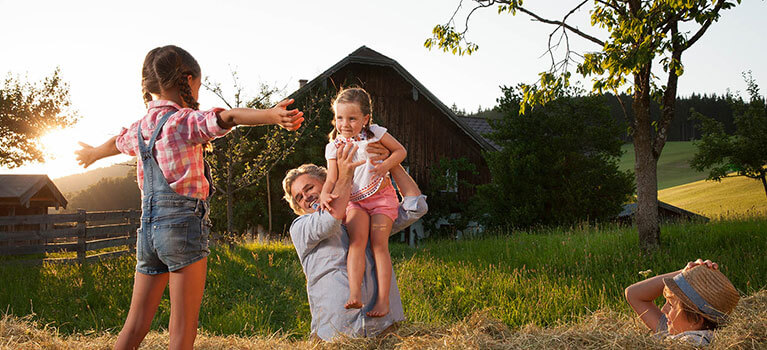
(126, 141)
(201, 126)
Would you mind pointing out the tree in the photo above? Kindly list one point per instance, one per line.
(641, 32)
(110, 193)
(242, 158)
(745, 152)
(558, 164)
(27, 112)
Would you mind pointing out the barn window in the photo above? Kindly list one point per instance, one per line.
(415, 94)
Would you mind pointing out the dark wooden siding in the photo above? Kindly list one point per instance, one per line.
(427, 132)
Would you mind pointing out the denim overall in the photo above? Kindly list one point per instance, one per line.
(174, 228)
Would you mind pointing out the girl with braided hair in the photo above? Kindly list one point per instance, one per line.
(172, 244)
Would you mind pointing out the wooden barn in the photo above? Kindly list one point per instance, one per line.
(28, 195)
(427, 128)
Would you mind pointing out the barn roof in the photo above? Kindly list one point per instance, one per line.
(20, 189)
(630, 209)
(368, 56)
(481, 127)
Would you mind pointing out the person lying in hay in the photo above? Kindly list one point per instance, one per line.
(699, 298)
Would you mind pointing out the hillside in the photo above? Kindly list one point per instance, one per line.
(68, 185)
(733, 197)
(673, 166)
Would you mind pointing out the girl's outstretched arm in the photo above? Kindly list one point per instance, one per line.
(279, 115)
(89, 154)
(398, 154)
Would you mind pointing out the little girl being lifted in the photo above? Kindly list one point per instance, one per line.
(373, 203)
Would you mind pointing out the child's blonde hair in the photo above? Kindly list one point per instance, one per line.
(356, 95)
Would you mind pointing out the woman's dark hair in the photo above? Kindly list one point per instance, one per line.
(361, 98)
(168, 68)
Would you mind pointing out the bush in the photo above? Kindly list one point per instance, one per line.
(558, 164)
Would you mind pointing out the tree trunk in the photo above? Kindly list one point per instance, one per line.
(269, 202)
(764, 183)
(229, 195)
(646, 165)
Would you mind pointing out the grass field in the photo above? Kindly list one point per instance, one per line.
(542, 278)
(673, 165)
(732, 197)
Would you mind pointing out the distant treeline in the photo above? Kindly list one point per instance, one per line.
(111, 193)
(682, 127)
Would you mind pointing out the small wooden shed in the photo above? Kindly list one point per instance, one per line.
(666, 213)
(427, 128)
(28, 195)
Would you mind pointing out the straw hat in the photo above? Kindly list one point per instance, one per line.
(706, 290)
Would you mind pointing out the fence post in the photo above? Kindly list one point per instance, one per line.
(133, 220)
(81, 235)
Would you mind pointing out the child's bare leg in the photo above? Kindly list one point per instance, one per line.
(380, 227)
(357, 224)
(147, 293)
(187, 286)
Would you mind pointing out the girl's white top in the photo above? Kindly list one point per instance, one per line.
(363, 185)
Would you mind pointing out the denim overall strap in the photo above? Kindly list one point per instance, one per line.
(154, 180)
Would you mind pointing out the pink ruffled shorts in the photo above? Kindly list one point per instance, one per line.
(382, 202)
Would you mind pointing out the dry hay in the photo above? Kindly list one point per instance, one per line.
(599, 330)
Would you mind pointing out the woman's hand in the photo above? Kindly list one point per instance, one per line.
(707, 263)
(287, 119)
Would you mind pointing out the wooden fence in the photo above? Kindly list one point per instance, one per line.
(78, 232)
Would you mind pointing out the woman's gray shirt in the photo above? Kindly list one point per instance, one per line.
(322, 243)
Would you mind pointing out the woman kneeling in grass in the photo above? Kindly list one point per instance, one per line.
(698, 299)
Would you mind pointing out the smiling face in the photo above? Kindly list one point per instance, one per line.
(349, 119)
(304, 191)
(677, 320)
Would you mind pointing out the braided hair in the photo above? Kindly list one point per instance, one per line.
(168, 68)
(359, 96)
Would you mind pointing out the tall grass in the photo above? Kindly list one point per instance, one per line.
(543, 278)
(549, 277)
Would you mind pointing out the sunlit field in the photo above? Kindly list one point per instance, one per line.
(731, 198)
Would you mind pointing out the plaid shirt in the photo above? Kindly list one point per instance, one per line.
(178, 148)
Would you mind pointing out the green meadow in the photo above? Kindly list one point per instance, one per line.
(673, 165)
(546, 277)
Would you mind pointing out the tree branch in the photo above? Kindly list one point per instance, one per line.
(705, 26)
(560, 23)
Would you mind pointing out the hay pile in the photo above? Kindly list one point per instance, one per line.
(599, 330)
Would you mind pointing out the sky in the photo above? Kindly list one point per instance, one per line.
(100, 47)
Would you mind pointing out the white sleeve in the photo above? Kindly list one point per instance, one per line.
(308, 230)
(410, 210)
(378, 132)
(331, 151)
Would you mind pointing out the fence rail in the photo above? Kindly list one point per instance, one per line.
(78, 232)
